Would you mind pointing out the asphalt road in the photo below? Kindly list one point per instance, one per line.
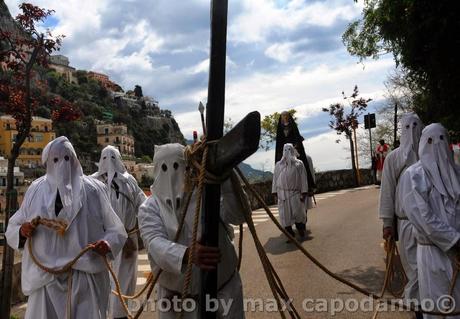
(345, 235)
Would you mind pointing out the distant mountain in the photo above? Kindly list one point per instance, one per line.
(254, 175)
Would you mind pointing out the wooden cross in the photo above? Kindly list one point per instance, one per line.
(230, 150)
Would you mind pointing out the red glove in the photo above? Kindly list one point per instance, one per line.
(205, 257)
(388, 232)
(101, 247)
(27, 230)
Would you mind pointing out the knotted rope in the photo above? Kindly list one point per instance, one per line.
(392, 251)
(60, 227)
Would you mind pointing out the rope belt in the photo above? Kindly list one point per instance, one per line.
(426, 243)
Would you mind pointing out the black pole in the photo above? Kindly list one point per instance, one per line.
(215, 127)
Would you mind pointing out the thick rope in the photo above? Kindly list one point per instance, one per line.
(160, 271)
(196, 222)
(390, 246)
(273, 279)
(326, 270)
(60, 227)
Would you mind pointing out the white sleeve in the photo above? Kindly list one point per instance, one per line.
(19, 217)
(137, 194)
(303, 178)
(388, 192)
(14, 225)
(275, 179)
(414, 201)
(166, 254)
(115, 233)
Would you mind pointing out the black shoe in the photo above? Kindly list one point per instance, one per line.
(291, 232)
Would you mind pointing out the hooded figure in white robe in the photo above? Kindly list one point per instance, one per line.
(390, 210)
(159, 218)
(126, 197)
(429, 192)
(291, 186)
(82, 202)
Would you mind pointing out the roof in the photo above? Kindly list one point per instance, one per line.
(34, 118)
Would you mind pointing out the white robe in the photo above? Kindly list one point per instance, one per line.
(126, 206)
(158, 234)
(290, 182)
(436, 219)
(390, 208)
(90, 280)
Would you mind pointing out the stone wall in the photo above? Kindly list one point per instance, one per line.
(325, 182)
(341, 179)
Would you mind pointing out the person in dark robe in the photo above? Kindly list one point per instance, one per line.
(288, 132)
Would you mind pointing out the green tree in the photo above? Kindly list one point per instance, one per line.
(345, 120)
(422, 35)
(269, 127)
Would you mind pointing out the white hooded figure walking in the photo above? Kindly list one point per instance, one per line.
(159, 218)
(125, 197)
(65, 193)
(430, 196)
(291, 186)
(390, 208)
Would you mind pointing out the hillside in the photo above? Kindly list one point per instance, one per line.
(148, 126)
(254, 175)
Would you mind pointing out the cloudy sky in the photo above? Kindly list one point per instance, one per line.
(281, 54)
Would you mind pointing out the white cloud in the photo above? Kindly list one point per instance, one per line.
(325, 152)
(281, 52)
(172, 64)
(261, 17)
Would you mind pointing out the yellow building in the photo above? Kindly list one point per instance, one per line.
(41, 134)
(115, 135)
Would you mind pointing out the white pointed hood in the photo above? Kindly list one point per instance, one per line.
(437, 160)
(63, 173)
(169, 176)
(411, 130)
(111, 163)
(289, 155)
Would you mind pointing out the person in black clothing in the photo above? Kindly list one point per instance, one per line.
(288, 132)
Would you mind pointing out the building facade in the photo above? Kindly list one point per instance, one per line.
(116, 135)
(104, 80)
(18, 184)
(41, 134)
(61, 65)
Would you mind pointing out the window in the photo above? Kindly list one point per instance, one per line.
(46, 128)
(106, 131)
(106, 139)
(39, 137)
